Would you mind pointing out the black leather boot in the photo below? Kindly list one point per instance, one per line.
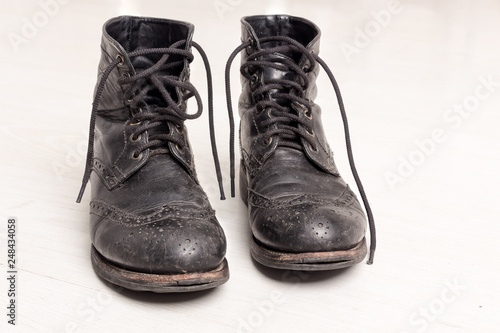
(302, 214)
(151, 224)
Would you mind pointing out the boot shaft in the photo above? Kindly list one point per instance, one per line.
(306, 33)
(116, 142)
(123, 35)
(280, 76)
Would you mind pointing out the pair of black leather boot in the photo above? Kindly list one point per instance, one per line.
(151, 223)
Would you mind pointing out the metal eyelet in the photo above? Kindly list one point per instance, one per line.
(301, 107)
(122, 60)
(136, 157)
(310, 132)
(254, 78)
(134, 138)
(268, 141)
(131, 98)
(249, 47)
(179, 148)
(308, 114)
(179, 129)
(313, 148)
(139, 110)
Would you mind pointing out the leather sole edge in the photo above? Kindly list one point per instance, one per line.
(158, 283)
(308, 261)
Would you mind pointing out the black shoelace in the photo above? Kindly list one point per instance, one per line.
(286, 122)
(144, 82)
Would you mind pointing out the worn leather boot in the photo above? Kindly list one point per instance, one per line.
(302, 214)
(151, 224)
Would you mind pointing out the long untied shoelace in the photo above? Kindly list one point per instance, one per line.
(281, 113)
(145, 81)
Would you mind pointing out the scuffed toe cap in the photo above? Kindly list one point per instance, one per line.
(171, 245)
(305, 225)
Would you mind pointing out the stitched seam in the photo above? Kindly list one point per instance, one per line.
(123, 150)
(104, 210)
(255, 123)
(319, 143)
(129, 35)
(341, 201)
(104, 173)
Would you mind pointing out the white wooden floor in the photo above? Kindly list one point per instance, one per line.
(421, 83)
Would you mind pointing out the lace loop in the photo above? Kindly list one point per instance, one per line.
(141, 84)
(286, 121)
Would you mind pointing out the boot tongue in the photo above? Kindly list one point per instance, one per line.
(153, 34)
(303, 31)
(276, 74)
(132, 34)
(157, 34)
(154, 97)
(272, 73)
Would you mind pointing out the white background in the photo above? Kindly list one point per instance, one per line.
(403, 77)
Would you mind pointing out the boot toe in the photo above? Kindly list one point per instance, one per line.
(309, 228)
(169, 246)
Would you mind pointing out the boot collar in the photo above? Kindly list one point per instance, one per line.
(304, 31)
(122, 35)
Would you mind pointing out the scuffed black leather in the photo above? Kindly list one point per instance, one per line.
(297, 201)
(148, 214)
